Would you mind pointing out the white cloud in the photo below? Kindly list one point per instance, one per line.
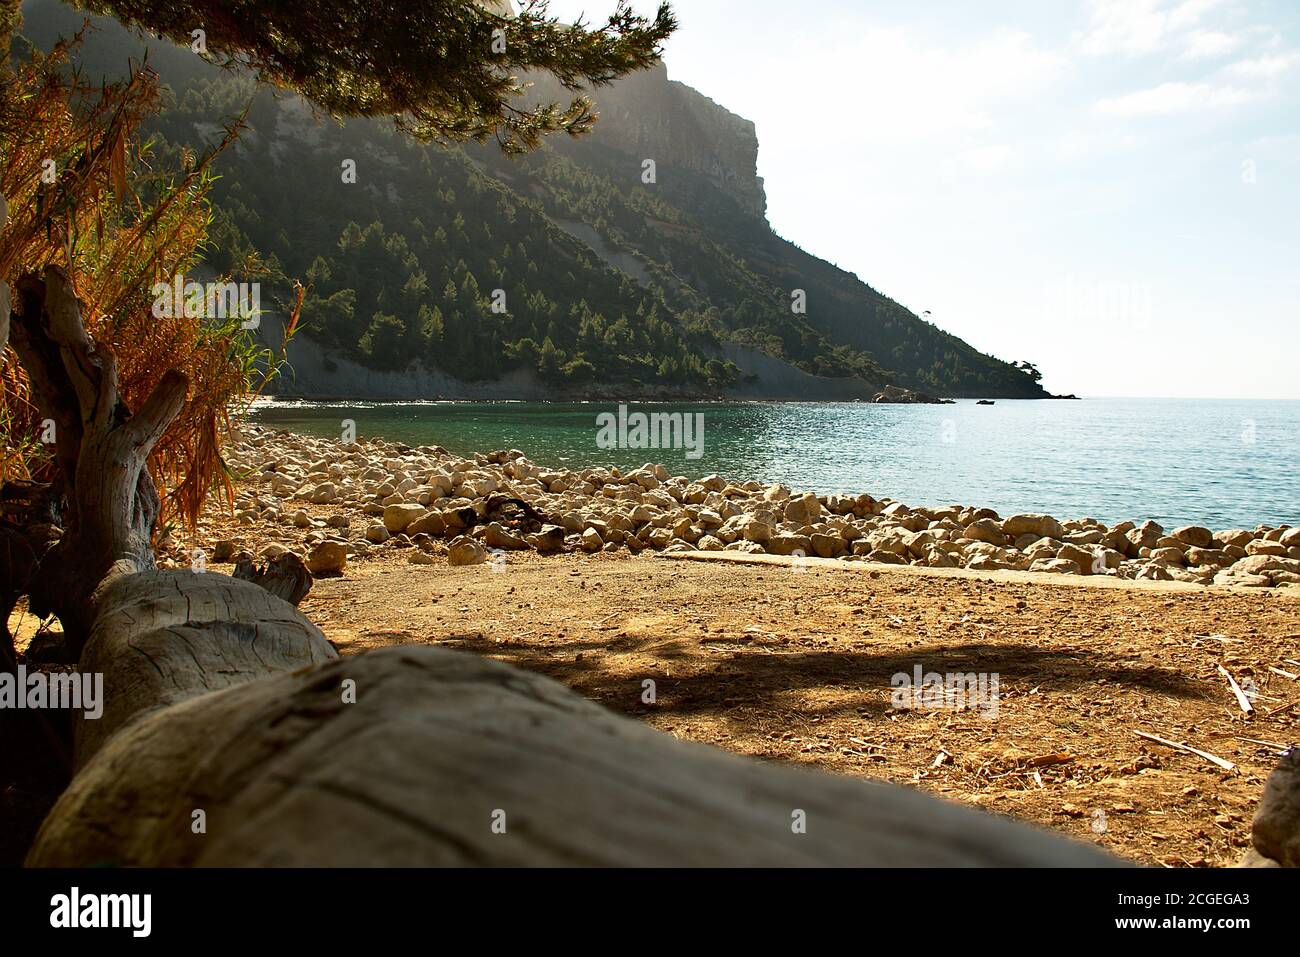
(1124, 26)
(1189, 12)
(910, 91)
(987, 160)
(1173, 97)
(1076, 145)
(1265, 67)
(1133, 27)
(1209, 44)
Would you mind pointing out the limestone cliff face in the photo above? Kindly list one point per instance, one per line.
(657, 118)
(650, 116)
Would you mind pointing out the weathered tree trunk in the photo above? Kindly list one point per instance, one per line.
(101, 448)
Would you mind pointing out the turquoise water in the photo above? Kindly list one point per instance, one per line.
(1217, 463)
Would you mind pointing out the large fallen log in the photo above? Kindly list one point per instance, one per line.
(163, 637)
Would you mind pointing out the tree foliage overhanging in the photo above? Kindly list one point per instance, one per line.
(436, 66)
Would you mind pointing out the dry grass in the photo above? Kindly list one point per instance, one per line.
(118, 225)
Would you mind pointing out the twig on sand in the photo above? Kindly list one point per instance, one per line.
(1180, 746)
(1284, 674)
(1242, 700)
(1059, 757)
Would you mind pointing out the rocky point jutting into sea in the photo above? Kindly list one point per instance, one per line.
(330, 502)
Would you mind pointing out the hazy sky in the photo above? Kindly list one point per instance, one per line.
(1108, 188)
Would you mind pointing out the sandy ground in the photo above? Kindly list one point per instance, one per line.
(795, 665)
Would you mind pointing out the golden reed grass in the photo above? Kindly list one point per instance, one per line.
(119, 225)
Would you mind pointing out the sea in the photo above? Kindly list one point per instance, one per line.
(1218, 463)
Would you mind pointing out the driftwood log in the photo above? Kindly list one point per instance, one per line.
(233, 734)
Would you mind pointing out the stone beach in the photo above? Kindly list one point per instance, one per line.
(338, 501)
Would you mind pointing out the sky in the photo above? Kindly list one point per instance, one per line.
(1107, 188)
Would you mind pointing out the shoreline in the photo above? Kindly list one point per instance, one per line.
(290, 401)
(341, 502)
(926, 455)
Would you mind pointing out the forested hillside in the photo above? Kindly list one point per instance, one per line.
(564, 264)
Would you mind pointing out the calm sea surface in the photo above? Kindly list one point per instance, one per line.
(1211, 462)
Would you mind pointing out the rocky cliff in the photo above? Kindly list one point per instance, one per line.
(650, 116)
